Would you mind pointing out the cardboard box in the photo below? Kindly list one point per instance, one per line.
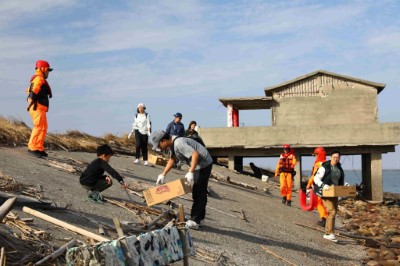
(166, 191)
(158, 160)
(340, 191)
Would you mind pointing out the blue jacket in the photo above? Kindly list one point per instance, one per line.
(176, 129)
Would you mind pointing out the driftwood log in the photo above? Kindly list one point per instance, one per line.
(22, 200)
(58, 252)
(227, 179)
(6, 207)
(166, 214)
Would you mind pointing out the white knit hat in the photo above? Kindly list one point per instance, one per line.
(141, 105)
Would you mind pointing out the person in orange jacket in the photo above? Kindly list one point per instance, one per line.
(285, 170)
(39, 93)
(320, 157)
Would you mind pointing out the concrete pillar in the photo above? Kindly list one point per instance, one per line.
(231, 162)
(366, 175)
(372, 175)
(376, 174)
(238, 163)
(297, 168)
(235, 163)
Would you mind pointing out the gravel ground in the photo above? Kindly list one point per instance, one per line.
(271, 226)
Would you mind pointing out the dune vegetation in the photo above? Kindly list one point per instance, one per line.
(15, 133)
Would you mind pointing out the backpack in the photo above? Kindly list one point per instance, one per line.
(145, 113)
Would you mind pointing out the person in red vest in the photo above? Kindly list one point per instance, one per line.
(39, 93)
(320, 157)
(285, 171)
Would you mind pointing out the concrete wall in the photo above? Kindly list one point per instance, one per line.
(335, 103)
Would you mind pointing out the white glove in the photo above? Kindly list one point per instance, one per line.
(160, 179)
(190, 178)
(326, 187)
(130, 135)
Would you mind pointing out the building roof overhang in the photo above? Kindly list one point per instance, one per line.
(248, 103)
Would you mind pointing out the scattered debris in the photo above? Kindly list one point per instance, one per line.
(276, 255)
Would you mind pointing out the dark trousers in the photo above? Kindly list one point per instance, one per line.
(100, 185)
(141, 144)
(199, 194)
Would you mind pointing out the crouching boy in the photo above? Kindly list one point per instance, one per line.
(93, 178)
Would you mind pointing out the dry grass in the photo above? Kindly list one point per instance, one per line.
(15, 133)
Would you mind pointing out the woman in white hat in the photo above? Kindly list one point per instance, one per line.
(142, 129)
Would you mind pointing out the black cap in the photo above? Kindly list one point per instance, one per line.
(178, 115)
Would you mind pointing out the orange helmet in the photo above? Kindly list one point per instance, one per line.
(319, 150)
(44, 64)
(286, 146)
(320, 154)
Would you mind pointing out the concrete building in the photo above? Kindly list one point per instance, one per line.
(318, 109)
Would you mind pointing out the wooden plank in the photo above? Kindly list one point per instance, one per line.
(65, 225)
(182, 235)
(2, 257)
(122, 240)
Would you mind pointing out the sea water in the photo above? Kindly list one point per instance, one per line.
(391, 179)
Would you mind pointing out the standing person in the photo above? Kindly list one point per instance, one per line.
(176, 128)
(39, 93)
(329, 174)
(285, 170)
(191, 132)
(93, 178)
(320, 157)
(200, 165)
(142, 129)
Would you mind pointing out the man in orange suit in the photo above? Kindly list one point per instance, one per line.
(39, 93)
(320, 157)
(285, 170)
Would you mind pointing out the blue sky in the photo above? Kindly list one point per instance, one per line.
(181, 56)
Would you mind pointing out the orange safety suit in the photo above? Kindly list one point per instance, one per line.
(284, 169)
(321, 157)
(38, 104)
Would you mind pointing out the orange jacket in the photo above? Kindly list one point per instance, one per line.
(39, 92)
(317, 164)
(286, 163)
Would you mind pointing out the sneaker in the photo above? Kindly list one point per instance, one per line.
(322, 222)
(43, 153)
(192, 225)
(146, 163)
(289, 203)
(330, 237)
(284, 200)
(95, 196)
(136, 161)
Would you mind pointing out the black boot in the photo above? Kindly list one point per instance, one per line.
(284, 200)
(322, 222)
(289, 203)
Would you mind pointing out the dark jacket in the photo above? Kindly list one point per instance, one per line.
(95, 171)
(326, 179)
(175, 129)
(194, 135)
